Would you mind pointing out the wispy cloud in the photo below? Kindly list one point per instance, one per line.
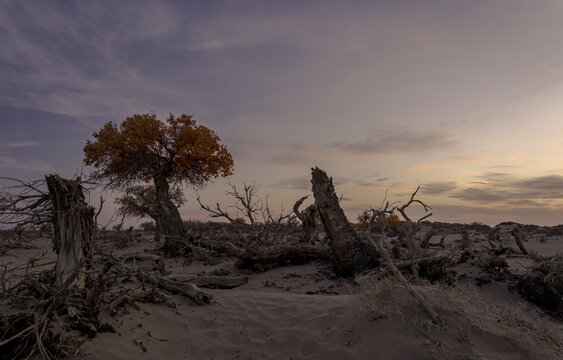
(12, 163)
(400, 141)
(449, 162)
(310, 155)
(77, 66)
(386, 142)
(487, 194)
(497, 187)
(296, 183)
(492, 215)
(372, 183)
(19, 144)
(438, 187)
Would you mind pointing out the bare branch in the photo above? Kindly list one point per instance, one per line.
(413, 200)
(217, 212)
(25, 203)
(248, 203)
(300, 215)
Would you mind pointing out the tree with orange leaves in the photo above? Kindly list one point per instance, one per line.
(144, 148)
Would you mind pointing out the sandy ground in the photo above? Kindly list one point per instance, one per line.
(304, 312)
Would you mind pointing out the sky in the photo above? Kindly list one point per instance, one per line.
(460, 97)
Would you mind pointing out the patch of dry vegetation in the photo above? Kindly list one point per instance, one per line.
(469, 319)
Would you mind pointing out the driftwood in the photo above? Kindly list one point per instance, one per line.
(188, 290)
(137, 295)
(156, 259)
(349, 253)
(207, 281)
(270, 257)
(73, 223)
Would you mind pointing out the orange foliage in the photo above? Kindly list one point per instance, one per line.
(239, 222)
(392, 220)
(145, 148)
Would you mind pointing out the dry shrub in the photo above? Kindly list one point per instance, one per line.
(543, 286)
(375, 298)
(522, 327)
(555, 231)
(469, 319)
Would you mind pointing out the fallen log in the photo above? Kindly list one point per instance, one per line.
(188, 290)
(158, 260)
(206, 281)
(135, 295)
(270, 257)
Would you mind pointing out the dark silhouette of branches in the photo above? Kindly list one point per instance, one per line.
(25, 203)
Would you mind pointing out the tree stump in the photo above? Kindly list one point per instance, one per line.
(73, 223)
(350, 254)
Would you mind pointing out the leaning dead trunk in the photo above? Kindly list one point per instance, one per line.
(349, 253)
(169, 219)
(73, 223)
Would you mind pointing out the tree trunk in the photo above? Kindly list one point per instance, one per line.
(73, 223)
(168, 215)
(157, 231)
(349, 253)
(518, 239)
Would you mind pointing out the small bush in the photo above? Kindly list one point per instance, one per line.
(543, 286)
(555, 231)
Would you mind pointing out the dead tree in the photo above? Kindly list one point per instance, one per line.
(73, 223)
(411, 226)
(248, 206)
(349, 253)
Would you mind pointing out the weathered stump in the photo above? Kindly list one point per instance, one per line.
(73, 223)
(350, 254)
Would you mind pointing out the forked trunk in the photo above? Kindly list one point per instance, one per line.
(169, 219)
(73, 223)
(349, 253)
